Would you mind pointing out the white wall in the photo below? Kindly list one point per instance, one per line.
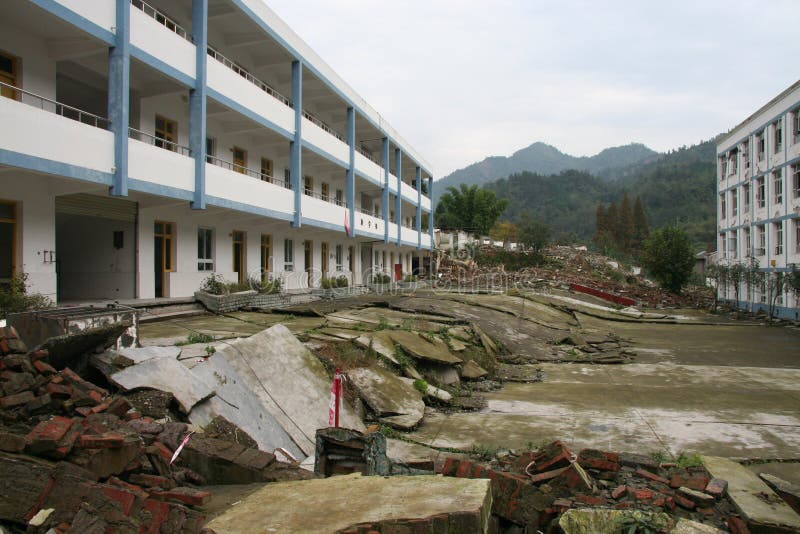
(38, 69)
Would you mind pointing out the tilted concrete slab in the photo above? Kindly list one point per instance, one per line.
(290, 381)
(139, 355)
(754, 499)
(419, 347)
(380, 342)
(237, 403)
(395, 401)
(333, 504)
(165, 374)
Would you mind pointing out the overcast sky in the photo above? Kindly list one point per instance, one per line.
(465, 79)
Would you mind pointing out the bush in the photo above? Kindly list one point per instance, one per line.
(270, 287)
(214, 284)
(381, 278)
(326, 283)
(235, 287)
(668, 256)
(512, 261)
(14, 297)
(410, 278)
(342, 281)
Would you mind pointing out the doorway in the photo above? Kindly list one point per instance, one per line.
(8, 241)
(266, 257)
(324, 258)
(308, 260)
(9, 67)
(163, 241)
(239, 248)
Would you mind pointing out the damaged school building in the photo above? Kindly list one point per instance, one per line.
(148, 144)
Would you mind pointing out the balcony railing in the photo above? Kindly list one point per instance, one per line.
(324, 126)
(325, 198)
(246, 171)
(241, 71)
(46, 104)
(367, 155)
(161, 18)
(159, 142)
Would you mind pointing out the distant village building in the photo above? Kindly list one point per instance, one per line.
(146, 145)
(758, 199)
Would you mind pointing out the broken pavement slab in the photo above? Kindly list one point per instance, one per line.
(238, 404)
(380, 342)
(343, 502)
(143, 354)
(420, 348)
(290, 381)
(165, 374)
(473, 371)
(395, 401)
(759, 505)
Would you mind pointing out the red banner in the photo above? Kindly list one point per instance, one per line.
(336, 400)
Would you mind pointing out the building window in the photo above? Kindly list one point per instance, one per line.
(211, 149)
(760, 146)
(734, 161)
(748, 243)
(777, 127)
(205, 249)
(166, 134)
(308, 186)
(796, 181)
(9, 70)
(287, 178)
(723, 162)
(761, 197)
(735, 202)
(339, 257)
(722, 206)
(733, 245)
(239, 160)
(266, 169)
(778, 237)
(796, 124)
(266, 256)
(325, 191)
(777, 187)
(762, 240)
(720, 245)
(746, 195)
(797, 236)
(288, 255)
(746, 154)
(339, 197)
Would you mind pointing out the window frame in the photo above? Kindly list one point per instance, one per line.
(777, 133)
(207, 247)
(778, 226)
(162, 137)
(288, 254)
(777, 187)
(339, 257)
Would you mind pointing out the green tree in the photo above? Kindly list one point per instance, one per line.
(668, 256)
(468, 208)
(601, 226)
(504, 231)
(641, 228)
(625, 229)
(612, 216)
(534, 235)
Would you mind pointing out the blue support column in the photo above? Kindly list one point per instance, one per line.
(398, 201)
(350, 189)
(119, 95)
(197, 102)
(385, 203)
(430, 214)
(419, 207)
(296, 145)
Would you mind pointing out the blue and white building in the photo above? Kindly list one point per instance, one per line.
(758, 199)
(144, 145)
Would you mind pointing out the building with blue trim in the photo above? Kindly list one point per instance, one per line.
(758, 202)
(145, 145)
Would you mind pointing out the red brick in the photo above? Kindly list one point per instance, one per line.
(547, 475)
(4, 347)
(683, 502)
(158, 511)
(41, 404)
(189, 496)
(16, 400)
(574, 477)
(44, 367)
(152, 481)
(623, 505)
(716, 487)
(640, 494)
(66, 443)
(109, 440)
(677, 481)
(133, 488)
(590, 499)
(448, 468)
(551, 456)
(95, 396)
(46, 435)
(737, 526)
(162, 450)
(58, 390)
(480, 471)
(661, 501)
(57, 379)
(562, 504)
(464, 469)
(85, 411)
(130, 416)
(39, 354)
(599, 460)
(101, 407)
(697, 483)
(670, 503)
(119, 406)
(618, 492)
(708, 512)
(125, 498)
(651, 476)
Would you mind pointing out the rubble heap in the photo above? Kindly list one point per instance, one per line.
(535, 488)
(76, 458)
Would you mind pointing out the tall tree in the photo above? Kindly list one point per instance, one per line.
(668, 256)
(642, 229)
(470, 209)
(505, 232)
(612, 217)
(534, 235)
(625, 228)
(600, 224)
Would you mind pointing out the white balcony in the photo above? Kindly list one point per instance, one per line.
(324, 211)
(367, 224)
(392, 232)
(426, 203)
(408, 193)
(242, 187)
(171, 167)
(408, 235)
(426, 240)
(317, 136)
(101, 12)
(368, 168)
(170, 46)
(45, 129)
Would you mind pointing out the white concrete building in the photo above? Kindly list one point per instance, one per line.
(758, 198)
(145, 145)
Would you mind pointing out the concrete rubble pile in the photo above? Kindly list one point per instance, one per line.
(536, 489)
(75, 457)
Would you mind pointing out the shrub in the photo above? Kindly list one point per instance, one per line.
(214, 284)
(270, 287)
(410, 278)
(669, 258)
(326, 283)
(235, 287)
(14, 297)
(381, 278)
(342, 281)
(421, 386)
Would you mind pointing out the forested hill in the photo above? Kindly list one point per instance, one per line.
(544, 159)
(678, 188)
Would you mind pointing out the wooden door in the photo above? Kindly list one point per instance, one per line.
(166, 133)
(308, 260)
(163, 261)
(308, 185)
(239, 257)
(8, 242)
(239, 160)
(266, 169)
(266, 256)
(326, 192)
(324, 259)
